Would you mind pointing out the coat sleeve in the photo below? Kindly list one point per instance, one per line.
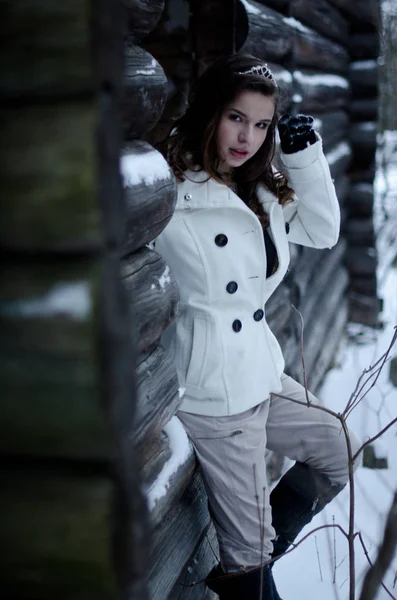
(314, 217)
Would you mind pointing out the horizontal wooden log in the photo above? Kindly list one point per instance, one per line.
(45, 49)
(339, 158)
(157, 394)
(358, 11)
(363, 76)
(361, 200)
(332, 126)
(342, 188)
(58, 536)
(145, 92)
(176, 538)
(285, 83)
(141, 17)
(149, 194)
(363, 137)
(364, 46)
(364, 309)
(322, 17)
(360, 232)
(279, 5)
(47, 177)
(367, 286)
(196, 569)
(361, 262)
(268, 35)
(314, 51)
(365, 109)
(153, 456)
(321, 92)
(212, 29)
(49, 372)
(153, 294)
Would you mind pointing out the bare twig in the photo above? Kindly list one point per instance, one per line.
(386, 552)
(375, 437)
(318, 558)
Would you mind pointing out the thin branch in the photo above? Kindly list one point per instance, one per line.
(386, 552)
(375, 437)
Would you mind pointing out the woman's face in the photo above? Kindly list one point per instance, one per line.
(242, 128)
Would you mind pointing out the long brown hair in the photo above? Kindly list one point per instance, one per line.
(191, 144)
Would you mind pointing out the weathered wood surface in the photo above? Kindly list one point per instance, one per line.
(145, 92)
(360, 232)
(361, 200)
(342, 188)
(364, 78)
(152, 457)
(339, 158)
(278, 309)
(45, 50)
(49, 373)
(363, 136)
(328, 350)
(153, 294)
(177, 537)
(364, 309)
(285, 82)
(322, 17)
(200, 564)
(57, 532)
(141, 17)
(365, 109)
(317, 327)
(321, 92)
(332, 126)
(364, 46)
(361, 262)
(215, 17)
(149, 194)
(157, 391)
(314, 51)
(268, 35)
(279, 5)
(359, 10)
(368, 286)
(47, 173)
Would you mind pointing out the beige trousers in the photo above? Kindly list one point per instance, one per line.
(231, 452)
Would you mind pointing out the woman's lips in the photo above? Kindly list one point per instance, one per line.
(238, 153)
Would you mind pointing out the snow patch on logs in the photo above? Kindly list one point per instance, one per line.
(68, 299)
(319, 79)
(249, 8)
(296, 24)
(145, 168)
(361, 65)
(181, 449)
(341, 150)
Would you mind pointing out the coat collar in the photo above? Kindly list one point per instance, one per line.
(198, 190)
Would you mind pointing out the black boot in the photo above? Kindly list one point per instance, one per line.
(299, 495)
(243, 585)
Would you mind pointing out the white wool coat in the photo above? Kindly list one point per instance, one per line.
(225, 354)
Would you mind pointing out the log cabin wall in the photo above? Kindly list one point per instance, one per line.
(314, 47)
(66, 353)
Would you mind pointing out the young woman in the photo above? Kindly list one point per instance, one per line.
(227, 245)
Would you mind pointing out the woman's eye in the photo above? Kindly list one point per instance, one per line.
(262, 125)
(235, 117)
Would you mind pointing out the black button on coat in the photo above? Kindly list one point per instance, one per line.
(232, 287)
(221, 240)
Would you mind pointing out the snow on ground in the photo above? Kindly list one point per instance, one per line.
(319, 568)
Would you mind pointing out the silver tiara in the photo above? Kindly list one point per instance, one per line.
(261, 70)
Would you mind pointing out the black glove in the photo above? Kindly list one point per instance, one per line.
(296, 132)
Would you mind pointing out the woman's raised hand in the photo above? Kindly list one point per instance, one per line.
(296, 132)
